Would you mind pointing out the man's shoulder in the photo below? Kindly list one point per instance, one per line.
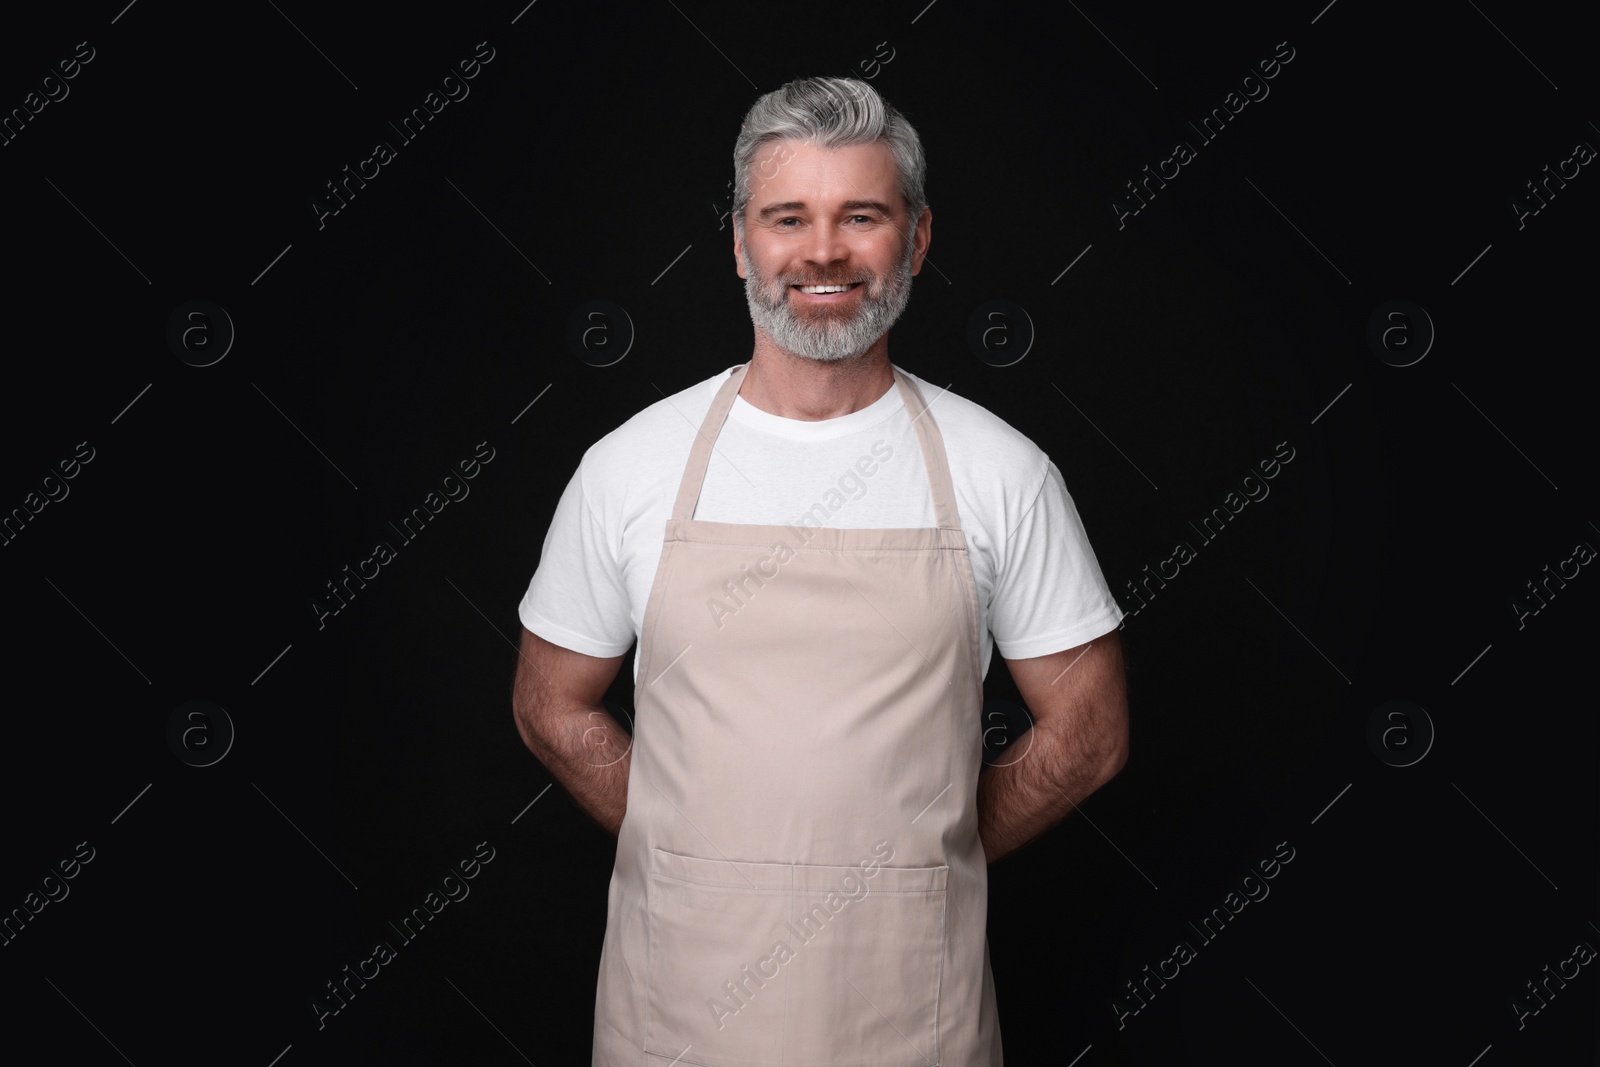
(979, 441)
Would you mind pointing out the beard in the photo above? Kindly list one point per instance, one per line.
(824, 333)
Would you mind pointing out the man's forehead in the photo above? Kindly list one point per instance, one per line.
(792, 169)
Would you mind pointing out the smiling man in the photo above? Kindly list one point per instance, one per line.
(804, 820)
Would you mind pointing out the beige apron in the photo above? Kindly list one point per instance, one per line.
(799, 880)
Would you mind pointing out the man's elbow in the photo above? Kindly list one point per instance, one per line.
(1115, 760)
(526, 716)
(518, 717)
(522, 728)
(1116, 752)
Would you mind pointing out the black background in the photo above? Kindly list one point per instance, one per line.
(591, 160)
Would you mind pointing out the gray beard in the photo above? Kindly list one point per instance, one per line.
(827, 336)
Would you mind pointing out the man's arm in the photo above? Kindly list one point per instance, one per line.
(1079, 703)
(556, 699)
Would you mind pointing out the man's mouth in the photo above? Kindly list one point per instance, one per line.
(817, 290)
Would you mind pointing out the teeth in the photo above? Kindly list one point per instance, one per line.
(824, 288)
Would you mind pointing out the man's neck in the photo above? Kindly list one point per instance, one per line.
(793, 387)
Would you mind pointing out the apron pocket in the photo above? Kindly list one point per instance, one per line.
(769, 964)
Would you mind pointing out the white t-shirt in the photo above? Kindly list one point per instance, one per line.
(1040, 589)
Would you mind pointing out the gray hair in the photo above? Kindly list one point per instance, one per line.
(834, 113)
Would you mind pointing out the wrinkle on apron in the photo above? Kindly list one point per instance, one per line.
(799, 880)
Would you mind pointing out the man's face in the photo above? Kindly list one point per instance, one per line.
(827, 217)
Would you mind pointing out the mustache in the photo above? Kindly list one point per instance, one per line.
(825, 281)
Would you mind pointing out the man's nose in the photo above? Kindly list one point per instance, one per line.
(826, 244)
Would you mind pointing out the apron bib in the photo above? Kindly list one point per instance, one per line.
(799, 880)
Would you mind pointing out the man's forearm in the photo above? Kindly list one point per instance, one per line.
(1059, 769)
(587, 751)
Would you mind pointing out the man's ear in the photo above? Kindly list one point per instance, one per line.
(738, 249)
(921, 238)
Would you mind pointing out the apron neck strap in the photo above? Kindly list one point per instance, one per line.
(934, 460)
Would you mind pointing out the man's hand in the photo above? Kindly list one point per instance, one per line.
(1079, 703)
(556, 699)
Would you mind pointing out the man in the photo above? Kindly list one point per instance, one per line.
(803, 829)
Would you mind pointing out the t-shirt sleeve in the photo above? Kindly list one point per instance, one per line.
(1050, 594)
(577, 598)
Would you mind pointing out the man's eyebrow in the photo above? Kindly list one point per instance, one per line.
(849, 205)
(774, 209)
